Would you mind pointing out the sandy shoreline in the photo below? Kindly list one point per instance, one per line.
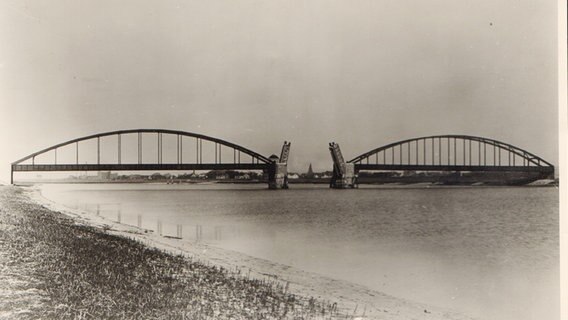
(353, 299)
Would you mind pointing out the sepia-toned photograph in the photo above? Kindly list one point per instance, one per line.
(283, 159)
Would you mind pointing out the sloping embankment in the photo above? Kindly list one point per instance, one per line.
(53, 268)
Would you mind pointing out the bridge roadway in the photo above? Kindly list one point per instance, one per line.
(421, 167)
(139, 167)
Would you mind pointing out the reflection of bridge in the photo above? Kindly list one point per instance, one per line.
(439, 153)
(221, 155)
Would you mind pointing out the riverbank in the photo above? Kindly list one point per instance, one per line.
(86, 266)
(54, 267)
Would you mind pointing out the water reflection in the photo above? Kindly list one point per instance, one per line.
(113, 212)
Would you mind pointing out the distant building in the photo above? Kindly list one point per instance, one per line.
(244, 176)
(293, 176)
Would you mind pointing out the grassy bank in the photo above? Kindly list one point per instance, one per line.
(55, 268)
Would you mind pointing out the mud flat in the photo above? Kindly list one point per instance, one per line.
(62, 264)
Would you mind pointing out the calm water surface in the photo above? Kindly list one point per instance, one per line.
(490, 253)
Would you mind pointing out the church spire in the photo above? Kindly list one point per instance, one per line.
(310, 173)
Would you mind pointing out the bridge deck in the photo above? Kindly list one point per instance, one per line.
(399, 167)
(136, 167)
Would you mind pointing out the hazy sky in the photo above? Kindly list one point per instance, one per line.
(256, 73)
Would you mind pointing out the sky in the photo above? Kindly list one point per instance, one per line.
(361, 73)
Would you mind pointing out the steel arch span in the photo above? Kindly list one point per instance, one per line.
(232, 159)
(441, 153)
(451, 153)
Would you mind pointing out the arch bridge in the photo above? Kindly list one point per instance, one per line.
(153, 150)
(455, 153)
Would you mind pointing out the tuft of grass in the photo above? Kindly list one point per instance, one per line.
(84, 273)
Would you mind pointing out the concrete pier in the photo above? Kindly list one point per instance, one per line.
(278, 176)
(346, 178)
(278, 169)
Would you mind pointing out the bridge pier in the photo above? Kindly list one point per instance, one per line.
(346, 178)
(278, 176)
(278, 169)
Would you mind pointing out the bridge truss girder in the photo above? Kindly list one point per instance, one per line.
(199, 138)
(432, 154)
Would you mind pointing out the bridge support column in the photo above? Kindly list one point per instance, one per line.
(344, 176)
(347, 179)
(278, 176)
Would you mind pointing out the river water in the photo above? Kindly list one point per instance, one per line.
(491, 253)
